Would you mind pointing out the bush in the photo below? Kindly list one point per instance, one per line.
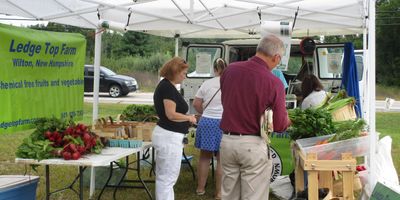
(136, 63)
(138, 112)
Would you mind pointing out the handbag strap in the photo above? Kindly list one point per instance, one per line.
(211, 99)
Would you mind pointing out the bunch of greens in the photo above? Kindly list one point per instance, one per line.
(310, 123)
(347, 129)
(36, 146)
(333, 103)
(140, 113)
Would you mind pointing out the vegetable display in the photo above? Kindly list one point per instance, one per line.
(56, 138)
(313, 122)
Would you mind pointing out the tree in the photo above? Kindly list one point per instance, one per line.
(134, 43)
(88, 33)
(355, 39)
(387, 42)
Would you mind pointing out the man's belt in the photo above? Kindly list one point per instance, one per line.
(241, 134)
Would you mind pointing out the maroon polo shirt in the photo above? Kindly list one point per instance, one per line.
(247, 89)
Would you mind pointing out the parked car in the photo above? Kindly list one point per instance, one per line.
(116, 85)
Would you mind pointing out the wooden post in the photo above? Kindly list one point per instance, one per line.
(312, 179)
(326, 180)
(348, 179)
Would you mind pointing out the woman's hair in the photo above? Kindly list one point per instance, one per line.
(310, 83)
(173, 67)
(219, 65)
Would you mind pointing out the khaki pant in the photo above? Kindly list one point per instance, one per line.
(246, 168)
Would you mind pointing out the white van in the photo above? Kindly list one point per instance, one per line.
(325, 63)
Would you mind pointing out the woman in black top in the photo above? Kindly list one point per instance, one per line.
(168, 135)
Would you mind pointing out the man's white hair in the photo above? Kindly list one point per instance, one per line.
(270, 45)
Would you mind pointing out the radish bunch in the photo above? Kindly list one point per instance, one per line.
(74, 141)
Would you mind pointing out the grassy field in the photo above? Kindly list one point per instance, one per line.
(387, 124)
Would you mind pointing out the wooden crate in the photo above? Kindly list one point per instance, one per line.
(127, 129)
(319, 173)
(109, 129)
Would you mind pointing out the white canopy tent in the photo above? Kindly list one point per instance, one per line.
(216, 19)
(199, 18)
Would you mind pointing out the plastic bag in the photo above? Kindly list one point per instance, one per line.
(385, 170)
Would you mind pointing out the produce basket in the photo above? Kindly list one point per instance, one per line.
(125, 143)
(144, 130)
(345, 113)
(333, 151)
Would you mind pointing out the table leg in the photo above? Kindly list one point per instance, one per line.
(190, 165)
(47, 182)
(92, 181)
(153, 163)
(108, 180)
(123, 176)
(80, 183)
(140, 178)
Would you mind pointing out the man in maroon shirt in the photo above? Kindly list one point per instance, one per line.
(248, 89)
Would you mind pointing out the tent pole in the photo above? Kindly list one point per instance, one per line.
(373, 138)
(176, 46)
(96, 81)
(365, 96)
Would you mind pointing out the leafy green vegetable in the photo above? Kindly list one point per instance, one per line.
(310, 123)
(36, 146)
(39, 149)
(140, 113)
(347, 129)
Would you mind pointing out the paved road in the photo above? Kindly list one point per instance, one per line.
(147, 98)
(131, 98)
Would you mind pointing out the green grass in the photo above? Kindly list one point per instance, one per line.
(387, 124)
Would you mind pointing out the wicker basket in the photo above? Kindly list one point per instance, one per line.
(344, 113)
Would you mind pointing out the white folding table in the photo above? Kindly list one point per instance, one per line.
(106, 157)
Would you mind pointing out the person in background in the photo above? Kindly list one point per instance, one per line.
(248, 88)
(168, 135)
(313, 92)
(278, 73)
(208, 134)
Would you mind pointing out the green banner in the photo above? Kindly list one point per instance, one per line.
(41, 75)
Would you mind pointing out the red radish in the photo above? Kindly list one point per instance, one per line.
(47, 134)
(86, 137)
(76, 156)
(73, 148)
(81, 149)
(67, 155)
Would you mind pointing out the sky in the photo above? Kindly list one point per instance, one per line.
(19, 21)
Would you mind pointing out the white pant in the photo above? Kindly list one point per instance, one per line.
(168, 146)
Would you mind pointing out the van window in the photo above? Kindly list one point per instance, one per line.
(360, 66)
(201, 59)
(330, 62)
(241, 53)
